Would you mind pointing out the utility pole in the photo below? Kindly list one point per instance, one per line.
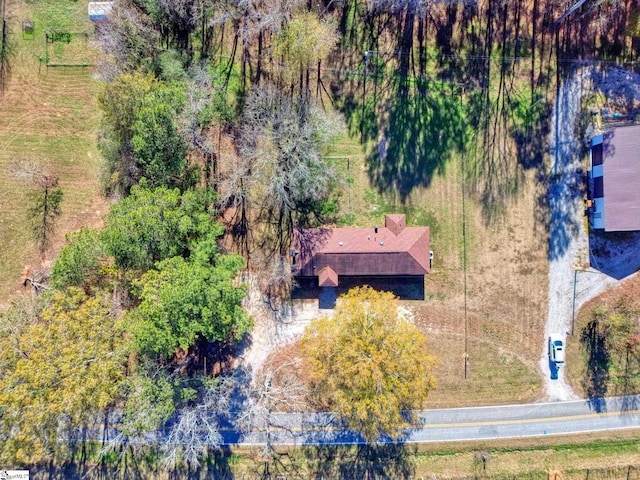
(367, 55)
(464, 249)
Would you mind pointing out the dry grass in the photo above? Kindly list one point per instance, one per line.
(627, 294)
(572, 461)
(495, 376)
(48, 115)
(507, 283)
(608, 456)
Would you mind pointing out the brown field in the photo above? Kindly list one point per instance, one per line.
(506, 303)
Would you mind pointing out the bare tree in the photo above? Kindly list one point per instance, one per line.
(185, 435)
(277, 283)
(282, 178)
(205, 108)
(128, 40)
(193, 435)
(273, 389)
(45, 196)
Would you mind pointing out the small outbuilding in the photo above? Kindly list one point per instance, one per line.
(99, 11)
(614, 177)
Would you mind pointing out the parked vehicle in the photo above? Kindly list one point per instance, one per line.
(556, 349)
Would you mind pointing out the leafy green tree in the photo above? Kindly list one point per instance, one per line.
(79, 262)
(153, 224)
(59, 370)
(159, 148)
(186, 300)
(150, 402)
(371, 365)
(141, 135)
(304, 40)
(121, 100)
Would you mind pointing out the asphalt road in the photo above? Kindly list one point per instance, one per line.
(461, 424)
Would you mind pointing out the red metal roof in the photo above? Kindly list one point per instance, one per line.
(327, 277)
(621, 176)
(364, 251)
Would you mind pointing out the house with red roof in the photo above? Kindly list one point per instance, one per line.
(614, 173)
(377, 256)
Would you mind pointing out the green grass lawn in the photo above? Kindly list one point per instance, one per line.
(50, 116)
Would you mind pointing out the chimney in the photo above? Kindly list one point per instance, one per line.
(395, 223)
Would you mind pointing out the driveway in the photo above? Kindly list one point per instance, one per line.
(577, 259)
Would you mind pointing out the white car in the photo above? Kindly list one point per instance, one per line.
(556, 349)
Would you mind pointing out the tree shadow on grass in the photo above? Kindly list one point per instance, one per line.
(280, 465)
(595, 381)
(362, 461)
(215, 466)
(567, 181)
(122, 464)
(421, 130)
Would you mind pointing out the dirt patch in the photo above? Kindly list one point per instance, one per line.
(275, 326)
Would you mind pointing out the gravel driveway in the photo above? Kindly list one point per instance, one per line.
(573, 252)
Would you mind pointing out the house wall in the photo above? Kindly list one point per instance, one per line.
(408, 287)
(596, 183)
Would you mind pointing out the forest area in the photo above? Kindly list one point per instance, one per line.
(218, 123)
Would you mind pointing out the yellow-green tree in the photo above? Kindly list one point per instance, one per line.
(59, 370)
(305, 40)
(371, 365)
